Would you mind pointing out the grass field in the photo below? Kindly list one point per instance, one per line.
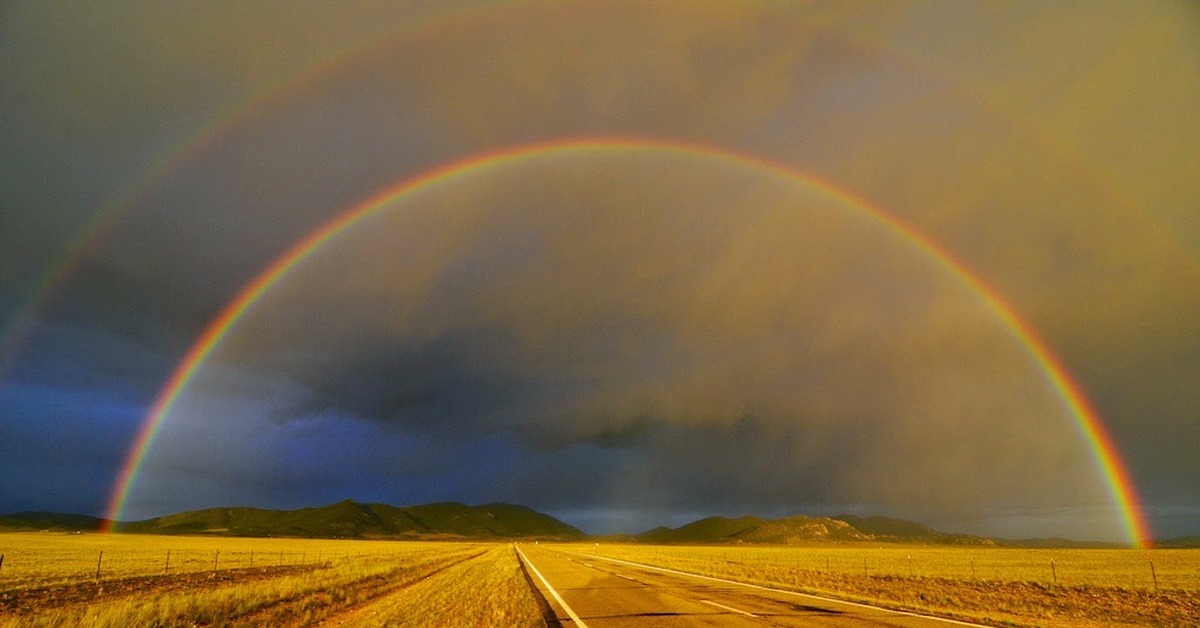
(1074, 587)
(49, 579)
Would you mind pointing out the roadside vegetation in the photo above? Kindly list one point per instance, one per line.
(1017, 587)
(489, 590)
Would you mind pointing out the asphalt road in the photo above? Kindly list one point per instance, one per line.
(599, 592)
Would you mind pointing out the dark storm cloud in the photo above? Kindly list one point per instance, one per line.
(1050, 149)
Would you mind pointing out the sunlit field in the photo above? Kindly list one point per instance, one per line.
(1024, 587)
(50, 579)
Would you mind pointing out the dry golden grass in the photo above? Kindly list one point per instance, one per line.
(1000, 586)
(49, 580)
(293, 582)
(490, 590)
(39, 559)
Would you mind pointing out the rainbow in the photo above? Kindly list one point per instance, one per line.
(1116, 476)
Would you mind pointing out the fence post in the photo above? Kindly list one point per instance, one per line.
(218, 553)
(972, 568)
(98, 559)
(1152, 575)
(1053, 571)
(167, 567)
(251, 558)
(1, 561)
(865, 566)
(910, 569)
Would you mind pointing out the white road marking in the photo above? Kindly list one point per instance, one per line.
(625, 577)
(785, 592)
(728, 608)
(570, 613)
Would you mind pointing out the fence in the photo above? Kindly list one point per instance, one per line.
(50, 559)
(1138, 569)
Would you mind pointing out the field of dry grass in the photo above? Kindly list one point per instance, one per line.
(1017, 587)
(50, 580)
(489, 590)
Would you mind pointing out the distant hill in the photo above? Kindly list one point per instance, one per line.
(798, 530)
(1055, 542)
(452, 520)
(1181, 542)
(349, 519)
(802, 529)
(705, 530)
(34, 520)
(886, 528)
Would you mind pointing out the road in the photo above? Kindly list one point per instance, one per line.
(597, 592)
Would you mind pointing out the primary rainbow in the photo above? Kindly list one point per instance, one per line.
(1116, 476)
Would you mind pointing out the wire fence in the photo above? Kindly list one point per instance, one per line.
(26, 563)
(1136, 569)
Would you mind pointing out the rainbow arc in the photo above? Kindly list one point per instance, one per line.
(1107, 457)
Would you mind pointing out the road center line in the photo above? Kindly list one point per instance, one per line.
(728, 608)
(570, 613)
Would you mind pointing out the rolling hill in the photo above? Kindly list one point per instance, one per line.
(345, 519)
(801, 529)
(453, 520)
(36, 520)
(349, 519)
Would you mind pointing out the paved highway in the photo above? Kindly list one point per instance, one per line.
(595, 592)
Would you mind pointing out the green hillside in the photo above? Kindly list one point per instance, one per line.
(31, 520)
(707, 530)
(349, 519)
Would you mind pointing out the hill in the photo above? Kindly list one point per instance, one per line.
(886, 528)
(35, 520)
(706, 530)
(1179, 542)
(802, 529)
(349, 519)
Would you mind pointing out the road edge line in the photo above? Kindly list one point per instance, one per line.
(729, 608)
(570, 613)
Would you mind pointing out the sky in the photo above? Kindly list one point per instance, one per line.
(628, 263)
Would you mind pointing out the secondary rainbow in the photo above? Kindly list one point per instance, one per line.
(1115, 475)
(91, 236)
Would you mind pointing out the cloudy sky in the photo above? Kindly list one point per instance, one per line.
(724, 257)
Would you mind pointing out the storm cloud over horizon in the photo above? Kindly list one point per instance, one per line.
(629, 333)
